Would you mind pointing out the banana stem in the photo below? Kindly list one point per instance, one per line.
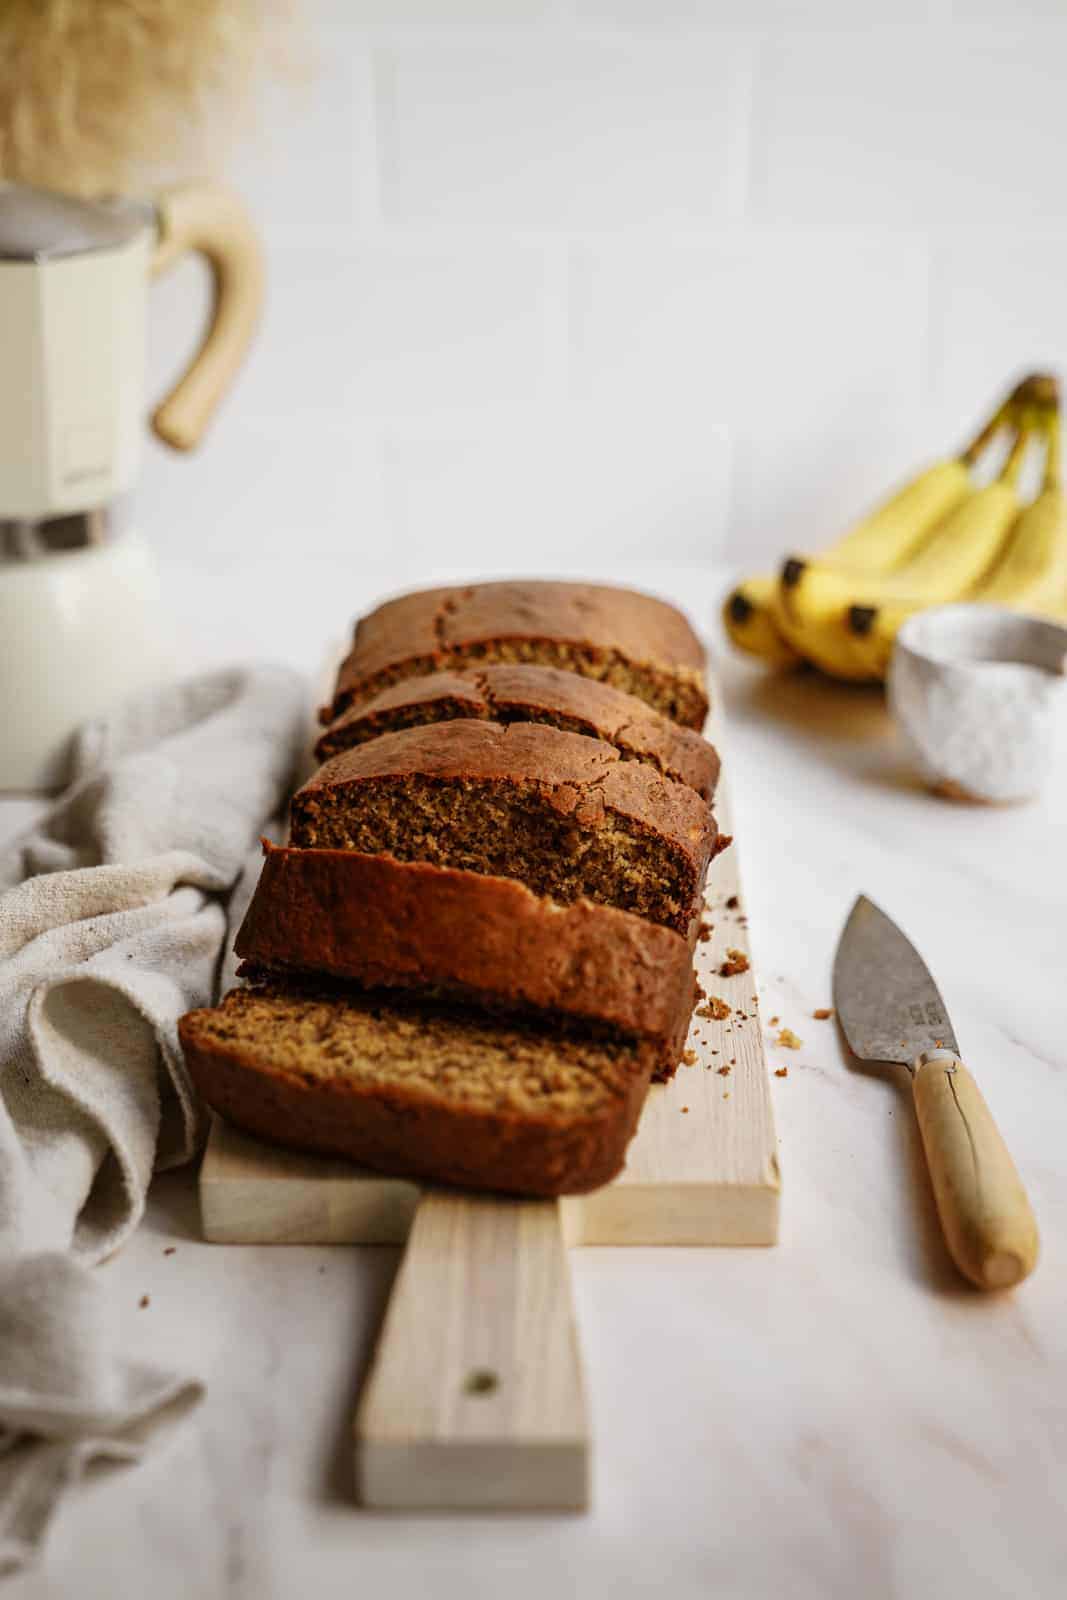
(1033, 397)
(985, 434)
(1040, 390)
(1052, 459)
(1010, 471)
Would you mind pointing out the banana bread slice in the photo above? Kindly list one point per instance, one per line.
(435, 1093)
(560, 812)
(508, 693)
(488, 941)
(624, 638)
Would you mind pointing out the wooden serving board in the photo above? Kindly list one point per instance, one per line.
(475, 1398)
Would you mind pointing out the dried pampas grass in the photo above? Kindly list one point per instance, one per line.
(101, 95)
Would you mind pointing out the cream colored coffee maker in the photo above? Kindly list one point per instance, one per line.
(81, 619)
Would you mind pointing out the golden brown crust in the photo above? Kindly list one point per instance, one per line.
(407, 1130)
(595, 825)
(633, 640)
(388, 923)
(506, 692)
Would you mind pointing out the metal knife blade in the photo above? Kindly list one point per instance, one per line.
(884, 996)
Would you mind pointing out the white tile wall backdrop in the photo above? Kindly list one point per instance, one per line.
(555, 281)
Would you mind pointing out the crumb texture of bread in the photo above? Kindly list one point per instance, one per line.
(558, 811)
(387, 923)
(628, 640)
(476, 951)
(442, 1093)
(504, 693)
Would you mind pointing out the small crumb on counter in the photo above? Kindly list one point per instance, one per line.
(733, 903)
(717, 1009)
(775, 1021)
(144, 1301)
(685, 1110)
(689, 1057)
(723, 1071)
(736, 961)
(823, 1014)
(781, 1072)
(788, 1039)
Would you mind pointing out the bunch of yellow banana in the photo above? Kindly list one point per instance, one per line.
(1031, 571)
(939, 538)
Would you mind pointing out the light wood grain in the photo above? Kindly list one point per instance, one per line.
(475, 1398)
(703, 1168)
(706, 1175)
(254, 1193)
(985, 1215)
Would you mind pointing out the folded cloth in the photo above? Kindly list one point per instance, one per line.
(113, 919)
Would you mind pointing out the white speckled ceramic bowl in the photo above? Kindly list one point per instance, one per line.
(979, 695)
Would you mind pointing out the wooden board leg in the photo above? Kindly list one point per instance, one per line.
(475, 1397)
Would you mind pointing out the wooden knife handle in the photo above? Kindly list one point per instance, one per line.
(986, 1217)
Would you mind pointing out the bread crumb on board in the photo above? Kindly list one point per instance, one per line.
(775, 1021)
(144, 1301)
(689, 1057)
(781, 1072)
(736, 961)
(723, 1071)
(733, 903)
(717, 1009)
(685, 1110)
(823, 1014)
(705, 932)
(788, 1039)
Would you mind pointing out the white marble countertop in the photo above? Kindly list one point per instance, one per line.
(838, 1416)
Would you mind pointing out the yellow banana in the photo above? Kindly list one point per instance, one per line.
(748, 617)
(814, 596)
(900, 555)
(823, 640)
(889, 534)
(1031, 574)
(962, 549)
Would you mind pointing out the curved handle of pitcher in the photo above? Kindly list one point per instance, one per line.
(206, 217)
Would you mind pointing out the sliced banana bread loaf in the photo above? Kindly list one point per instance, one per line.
(630, 640)
(509, 693)
(560, 812)
(440, 1094)
(490, 941)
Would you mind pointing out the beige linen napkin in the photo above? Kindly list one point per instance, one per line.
(113, 920)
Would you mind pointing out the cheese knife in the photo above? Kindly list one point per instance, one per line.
(891, 1011)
